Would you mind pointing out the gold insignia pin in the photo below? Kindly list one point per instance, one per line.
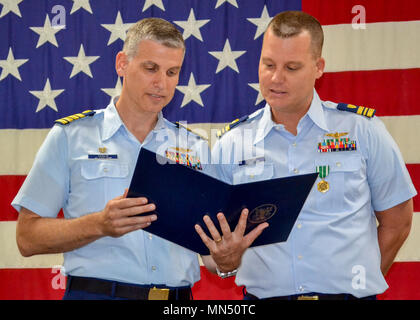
(336, 135)
(102, 150)
(323, 186)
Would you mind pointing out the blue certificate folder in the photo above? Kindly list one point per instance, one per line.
(183, 196)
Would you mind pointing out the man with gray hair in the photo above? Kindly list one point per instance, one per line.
(85, 166)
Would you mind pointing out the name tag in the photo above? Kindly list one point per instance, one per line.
(102, 156)
(251, 161)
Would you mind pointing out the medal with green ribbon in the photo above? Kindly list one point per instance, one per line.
(323, 171)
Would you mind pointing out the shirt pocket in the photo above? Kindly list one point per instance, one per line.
(253, 173)
(343, 178)
(104, 180)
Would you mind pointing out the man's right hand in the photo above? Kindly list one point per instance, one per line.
(120, 215)
(41, 235)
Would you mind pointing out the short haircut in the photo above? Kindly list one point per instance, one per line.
(291, 23)
(154, 29)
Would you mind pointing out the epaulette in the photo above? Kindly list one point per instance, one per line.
(180, 125)
(230, 126)
(67, 120)
(364, 111)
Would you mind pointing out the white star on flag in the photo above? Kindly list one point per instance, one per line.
(192, 91)
(10, 5)
(46, 33)
(118, 29)
(113, 92)
(261, 23)
(227, 57)
(46, 97)
(232, 2)
(77, 4)
(192, 26)
(11, 65)
(256, 86)
(81, 63)
(149, 3)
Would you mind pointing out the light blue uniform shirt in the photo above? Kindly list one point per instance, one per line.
(63, 177)
(333, 246)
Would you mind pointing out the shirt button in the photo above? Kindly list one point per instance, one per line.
(295, 170)
(294, 144)
(153, 268)
(105, 169)
(338, 164)
(300, 257)
(150, 236)
(299, 226)
(301, 288)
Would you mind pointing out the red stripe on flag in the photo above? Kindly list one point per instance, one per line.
(47, 284)
(403, 280)
(414, 170)
(212, 287)
(31, 284)
(338, 12)
(9, 186)
(390, 92)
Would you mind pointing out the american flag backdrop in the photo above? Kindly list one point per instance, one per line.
(57, 58)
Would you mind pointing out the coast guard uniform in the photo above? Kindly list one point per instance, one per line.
(333, 247)
(88, 159)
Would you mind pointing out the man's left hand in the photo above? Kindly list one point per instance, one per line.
(227, 249)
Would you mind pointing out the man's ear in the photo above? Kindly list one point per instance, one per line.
(121, 62)
(320, 65)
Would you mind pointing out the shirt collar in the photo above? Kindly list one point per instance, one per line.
(113, 122)
(265, 124)
(315, 113)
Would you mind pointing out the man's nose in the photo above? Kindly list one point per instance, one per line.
(278, 76)
(159, 80)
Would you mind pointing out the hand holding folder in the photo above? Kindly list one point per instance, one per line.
(183, 196)
(227, 249)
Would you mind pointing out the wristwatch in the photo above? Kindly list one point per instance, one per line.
(224, 275)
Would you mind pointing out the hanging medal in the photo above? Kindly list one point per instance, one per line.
(323, 171)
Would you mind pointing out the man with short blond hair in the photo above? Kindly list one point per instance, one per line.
(335, 250)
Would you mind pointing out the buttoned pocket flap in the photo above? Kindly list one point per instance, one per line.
(99, 169)
(340, 163)
(252, 173)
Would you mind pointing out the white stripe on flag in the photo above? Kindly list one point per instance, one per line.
(384, 45)
(11, 257)
(410, 251)
(24, 144)
(405, 131)
(19, 148)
